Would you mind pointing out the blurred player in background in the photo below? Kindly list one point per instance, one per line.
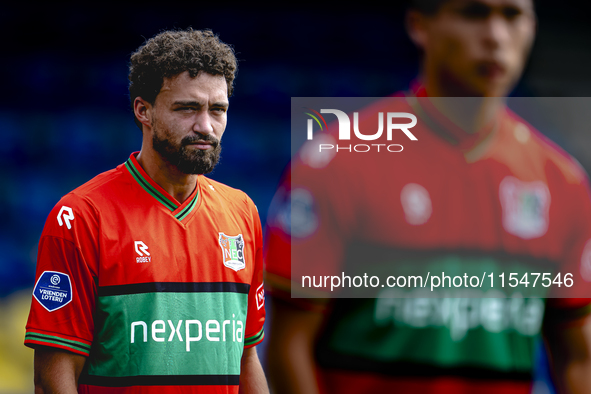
(148, 275)
(479, 184)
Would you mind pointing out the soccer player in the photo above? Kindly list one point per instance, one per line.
(480, 187)
(149, 276)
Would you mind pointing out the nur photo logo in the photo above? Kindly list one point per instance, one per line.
(387, 123)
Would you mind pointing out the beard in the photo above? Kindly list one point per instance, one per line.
(193, 161)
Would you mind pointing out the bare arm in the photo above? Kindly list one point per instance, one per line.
(292, 336)
(57, 371)
(570, 352)
(252, 377)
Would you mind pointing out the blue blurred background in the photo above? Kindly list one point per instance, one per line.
(65, 115)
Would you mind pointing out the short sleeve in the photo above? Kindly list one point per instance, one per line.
(254, 333)
(65, 280)
(574, 302)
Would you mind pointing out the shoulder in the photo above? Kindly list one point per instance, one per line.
(80, 208)
(228, 196)
(99, 185)
(554, 158)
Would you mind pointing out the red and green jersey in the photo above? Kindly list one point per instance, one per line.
(159, 296)
(449, 202)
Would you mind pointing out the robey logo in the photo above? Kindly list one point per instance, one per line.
(142, 250)
(67, 214)
(392, 120)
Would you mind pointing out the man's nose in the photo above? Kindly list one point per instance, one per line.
(496, 32)
(202, 123)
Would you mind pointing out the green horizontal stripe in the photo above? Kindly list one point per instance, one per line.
(161, 380)
(169, 333)
(58, 341)
(77, 343)
(498, 333)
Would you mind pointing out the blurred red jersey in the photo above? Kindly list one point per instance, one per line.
(450, 201)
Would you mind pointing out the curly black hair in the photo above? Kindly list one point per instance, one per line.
(173, 52)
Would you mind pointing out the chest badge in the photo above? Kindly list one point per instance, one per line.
(526, 207)
(232, 251)
(416, 204)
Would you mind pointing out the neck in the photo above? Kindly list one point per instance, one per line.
(469, 112)
(179, 185)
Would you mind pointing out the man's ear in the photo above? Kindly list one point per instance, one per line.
(143, 111)
(416, 28)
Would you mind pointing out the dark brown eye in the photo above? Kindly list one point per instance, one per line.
(511, 12)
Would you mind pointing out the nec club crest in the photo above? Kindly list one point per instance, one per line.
(526, 207)
(232, 251)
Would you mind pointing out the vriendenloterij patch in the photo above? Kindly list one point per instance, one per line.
(53, 290)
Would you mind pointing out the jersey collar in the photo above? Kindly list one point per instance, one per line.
(444, 127)
(178, 210)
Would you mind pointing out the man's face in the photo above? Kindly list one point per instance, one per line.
(188, 120)
(478, 47)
